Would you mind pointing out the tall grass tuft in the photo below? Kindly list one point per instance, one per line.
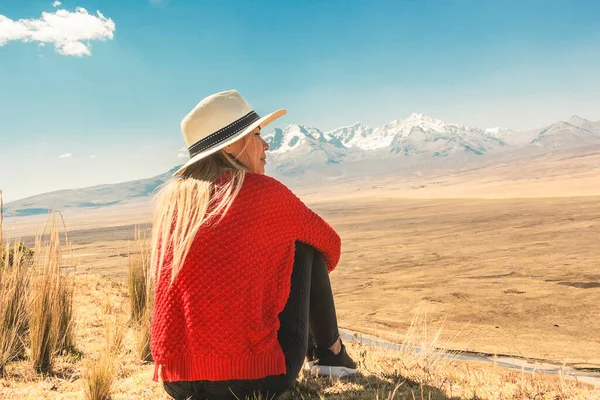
(138, 266)
(100, 378)
(422, 345)
(51, 320)
(114, 327)
(141, 293)
(66, 290)
(143, 337)
(101, 372)
(15, 275)
(66, 324)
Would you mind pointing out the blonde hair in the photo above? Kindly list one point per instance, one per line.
(189, 201)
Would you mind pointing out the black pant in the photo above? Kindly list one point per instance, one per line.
(308, 316)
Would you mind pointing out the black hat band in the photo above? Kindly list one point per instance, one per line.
(223, 134)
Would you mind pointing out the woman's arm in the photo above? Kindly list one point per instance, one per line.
(303, 224)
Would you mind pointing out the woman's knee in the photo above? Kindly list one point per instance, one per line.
(304, 251)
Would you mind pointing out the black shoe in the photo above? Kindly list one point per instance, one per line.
(329, 364)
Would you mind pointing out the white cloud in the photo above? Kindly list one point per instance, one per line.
(67, 155)
(183, 155)
(93, 157)
(56, 4)
(182, 148)
(70, 32)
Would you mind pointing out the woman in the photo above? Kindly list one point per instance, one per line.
(241, 267)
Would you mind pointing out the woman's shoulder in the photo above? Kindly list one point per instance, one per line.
(264, 181)
(268, 187)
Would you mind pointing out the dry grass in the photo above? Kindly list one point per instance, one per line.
(66, 315)
(51, 325)
(100, 378)
(102, 371)
(141, 293)
(142, 337)
(15, 276)
(138, 267)
(14, 298)
(417, 370)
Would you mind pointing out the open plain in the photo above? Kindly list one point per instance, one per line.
(505, 257)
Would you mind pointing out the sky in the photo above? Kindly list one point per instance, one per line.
(93, 92)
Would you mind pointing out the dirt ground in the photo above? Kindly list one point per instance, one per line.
(506, 258)
(518, 277)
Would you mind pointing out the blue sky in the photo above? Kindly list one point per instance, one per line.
(517, 64)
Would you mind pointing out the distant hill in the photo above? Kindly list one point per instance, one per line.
(566, 135)
(90, 197)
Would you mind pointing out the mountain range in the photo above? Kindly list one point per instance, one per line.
(303, 152)
(298, 148)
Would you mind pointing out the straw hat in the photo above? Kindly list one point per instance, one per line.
(218, 121)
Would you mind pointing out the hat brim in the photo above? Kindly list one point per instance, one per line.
(262, 122)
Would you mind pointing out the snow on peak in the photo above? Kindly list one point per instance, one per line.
(296, 137)
(508, 135)
(348, 136)
(417, 125)
(420, 117)
(499, 132)
(289, 138)
(424, 121)
(494, 131)
(416, 130)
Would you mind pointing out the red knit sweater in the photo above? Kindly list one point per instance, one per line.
(219, 318)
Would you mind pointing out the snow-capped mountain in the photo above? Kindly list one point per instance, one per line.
(298, 148)
(309, 146)
(421, 134)
(417, 127)
(298, 138)
(418, 134)
(357, 135)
